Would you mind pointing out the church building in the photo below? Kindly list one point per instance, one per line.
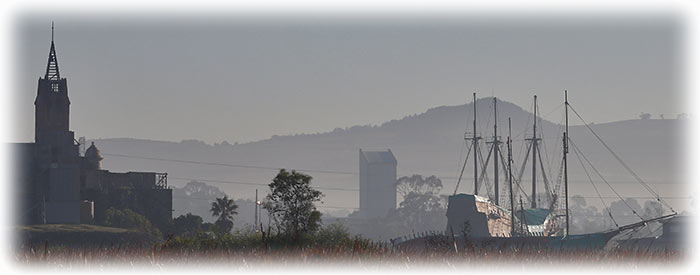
(57, 185)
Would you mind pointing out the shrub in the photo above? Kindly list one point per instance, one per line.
(332, 235)
(187, 225)
(129, 219)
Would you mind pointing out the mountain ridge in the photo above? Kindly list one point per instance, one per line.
(429, 143)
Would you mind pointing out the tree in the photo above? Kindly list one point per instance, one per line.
(624, 211)
(421, 208)
(188, 225)
(422, 205)
(223, 226)
(333, 234)
(290, 204)
(196, 197)
(224, 208)
(653, 209)
(418, 184)
(586, 218)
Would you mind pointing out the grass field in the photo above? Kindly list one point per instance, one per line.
(89, 246)
(163, 256)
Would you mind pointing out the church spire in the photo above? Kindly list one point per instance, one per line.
(52, 66)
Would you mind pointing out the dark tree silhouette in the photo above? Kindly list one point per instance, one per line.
(224, 208)
(188, 225)
(291, 204)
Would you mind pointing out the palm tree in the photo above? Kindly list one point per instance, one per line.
(224, 208)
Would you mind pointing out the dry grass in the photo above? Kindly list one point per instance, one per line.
(363, 254)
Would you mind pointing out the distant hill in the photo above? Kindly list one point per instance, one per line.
(430, 143)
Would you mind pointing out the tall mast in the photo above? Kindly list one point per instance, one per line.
(475, 143)
(510, 183)
(533, 203)
(566, 151)
(522, 218)
(495, 150)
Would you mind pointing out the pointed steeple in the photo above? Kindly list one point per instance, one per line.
(52, 107)
(52, 66)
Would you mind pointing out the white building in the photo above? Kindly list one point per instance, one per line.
(377, 183)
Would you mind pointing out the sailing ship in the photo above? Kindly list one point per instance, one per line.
(482, 218)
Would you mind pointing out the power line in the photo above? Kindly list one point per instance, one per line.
(319, 206)
(230, 165)
(350, 207)
(301, 170)
(257, 184)
(277, 168)
(353, 189)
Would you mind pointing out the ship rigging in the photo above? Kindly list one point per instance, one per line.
(484, 216)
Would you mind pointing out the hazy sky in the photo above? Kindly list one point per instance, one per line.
(244, 79)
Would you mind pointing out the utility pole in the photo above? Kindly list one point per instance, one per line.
(510, 182)
(255, 225)
(566, 151)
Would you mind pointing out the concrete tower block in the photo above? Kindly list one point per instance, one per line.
(377, 183)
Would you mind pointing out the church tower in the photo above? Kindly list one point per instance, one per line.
(52, 112)
(56, 153)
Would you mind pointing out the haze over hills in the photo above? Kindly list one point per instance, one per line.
(431, 143)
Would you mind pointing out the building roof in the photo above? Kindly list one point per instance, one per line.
(378, 156)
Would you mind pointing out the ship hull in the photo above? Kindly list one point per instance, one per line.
(593, 241)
